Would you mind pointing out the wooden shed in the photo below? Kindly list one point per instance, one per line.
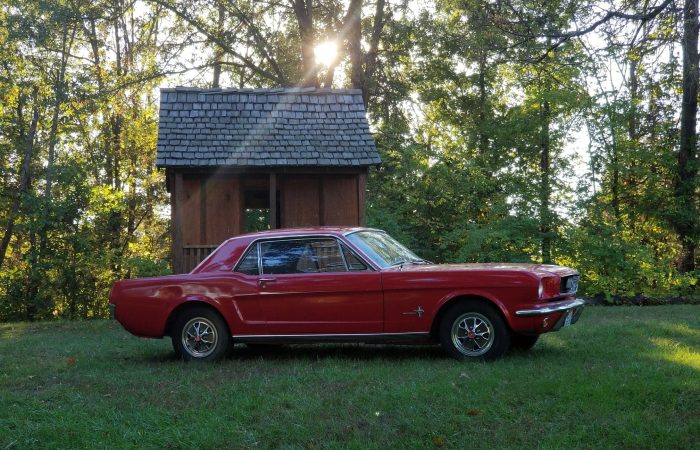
(240, 160)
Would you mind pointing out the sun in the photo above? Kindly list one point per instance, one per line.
(326, 53)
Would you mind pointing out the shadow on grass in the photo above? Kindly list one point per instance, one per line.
(353, 352)
(308, 352)
(339, 351)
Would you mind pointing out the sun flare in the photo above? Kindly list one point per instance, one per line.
(325, 53)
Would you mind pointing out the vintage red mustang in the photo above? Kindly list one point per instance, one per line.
(345, 284)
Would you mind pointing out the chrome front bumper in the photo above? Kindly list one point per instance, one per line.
(553, 308)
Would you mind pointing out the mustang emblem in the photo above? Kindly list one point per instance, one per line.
(417, 312)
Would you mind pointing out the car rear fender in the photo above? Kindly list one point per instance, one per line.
(192, 301)
(468, 295)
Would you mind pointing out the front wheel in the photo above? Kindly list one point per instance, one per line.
(200, 334)
(474, 331)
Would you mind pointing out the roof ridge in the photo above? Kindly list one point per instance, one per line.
(262, 91)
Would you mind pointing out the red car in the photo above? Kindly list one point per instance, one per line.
(345, 285)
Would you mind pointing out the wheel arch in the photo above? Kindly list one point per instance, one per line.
(191, 303)
(466, 298)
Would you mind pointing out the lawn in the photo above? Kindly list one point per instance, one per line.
(622, 377)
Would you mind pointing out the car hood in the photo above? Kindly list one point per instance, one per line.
(539, 269)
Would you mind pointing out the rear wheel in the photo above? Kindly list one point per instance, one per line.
(522, 342)
(474, 331)
(200, 334)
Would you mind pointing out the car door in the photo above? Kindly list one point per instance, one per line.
(317, 286)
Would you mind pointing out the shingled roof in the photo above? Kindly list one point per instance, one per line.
(263, 127)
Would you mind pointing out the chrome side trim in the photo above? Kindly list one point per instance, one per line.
(548, 309)
(331, 337)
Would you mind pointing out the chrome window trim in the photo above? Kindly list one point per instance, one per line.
(259, 249)
(342, 255)
(368, 262)
(242, 257)
(376, 266)
(359, 258)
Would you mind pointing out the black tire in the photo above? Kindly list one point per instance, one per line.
(200, 334)
(474, 331)
(521, 342)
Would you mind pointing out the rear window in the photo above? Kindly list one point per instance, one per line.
(249, 263)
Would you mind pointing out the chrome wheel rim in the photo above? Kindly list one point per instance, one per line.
(472, 334)
(199, 337)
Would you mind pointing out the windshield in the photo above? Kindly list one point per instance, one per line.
(381, 248)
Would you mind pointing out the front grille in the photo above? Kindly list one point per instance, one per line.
(569, 284)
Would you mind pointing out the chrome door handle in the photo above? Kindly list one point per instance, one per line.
(263, 281)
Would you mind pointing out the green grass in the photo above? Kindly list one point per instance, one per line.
(623, 377)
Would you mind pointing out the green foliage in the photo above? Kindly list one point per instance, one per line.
(139, 266)
(475, 107)
(464, 180)
(102, 219)
(256, 219)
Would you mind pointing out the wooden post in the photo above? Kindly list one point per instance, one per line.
(361, 207)
(321, 200)
(177, 205)
(273, 200)
(203, 238)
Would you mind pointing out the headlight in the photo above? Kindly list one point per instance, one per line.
(549, 287)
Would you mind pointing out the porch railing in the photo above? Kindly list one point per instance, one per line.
(194, 254)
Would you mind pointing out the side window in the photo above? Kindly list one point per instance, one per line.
(302, 256)
(249, 263)
(280, 257)
(328, 257)
(355, 264)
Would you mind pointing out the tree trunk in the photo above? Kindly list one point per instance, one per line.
(115, 220)
(24, 176)
(218, 52)
(634, 93)
(303, 10)
(32, 282)
(59, 92)
(685, 182)
(483, 138)
(371, 59)
(615, 177)
(353, 24)
(545, 185)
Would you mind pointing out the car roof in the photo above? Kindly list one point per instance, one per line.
(304, 231)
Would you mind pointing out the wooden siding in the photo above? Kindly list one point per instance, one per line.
(191, 211)
(222, 210)
(340, 202)
(209, 208)
(300, 201)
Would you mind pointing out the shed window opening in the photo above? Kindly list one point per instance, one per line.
(257, 219)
